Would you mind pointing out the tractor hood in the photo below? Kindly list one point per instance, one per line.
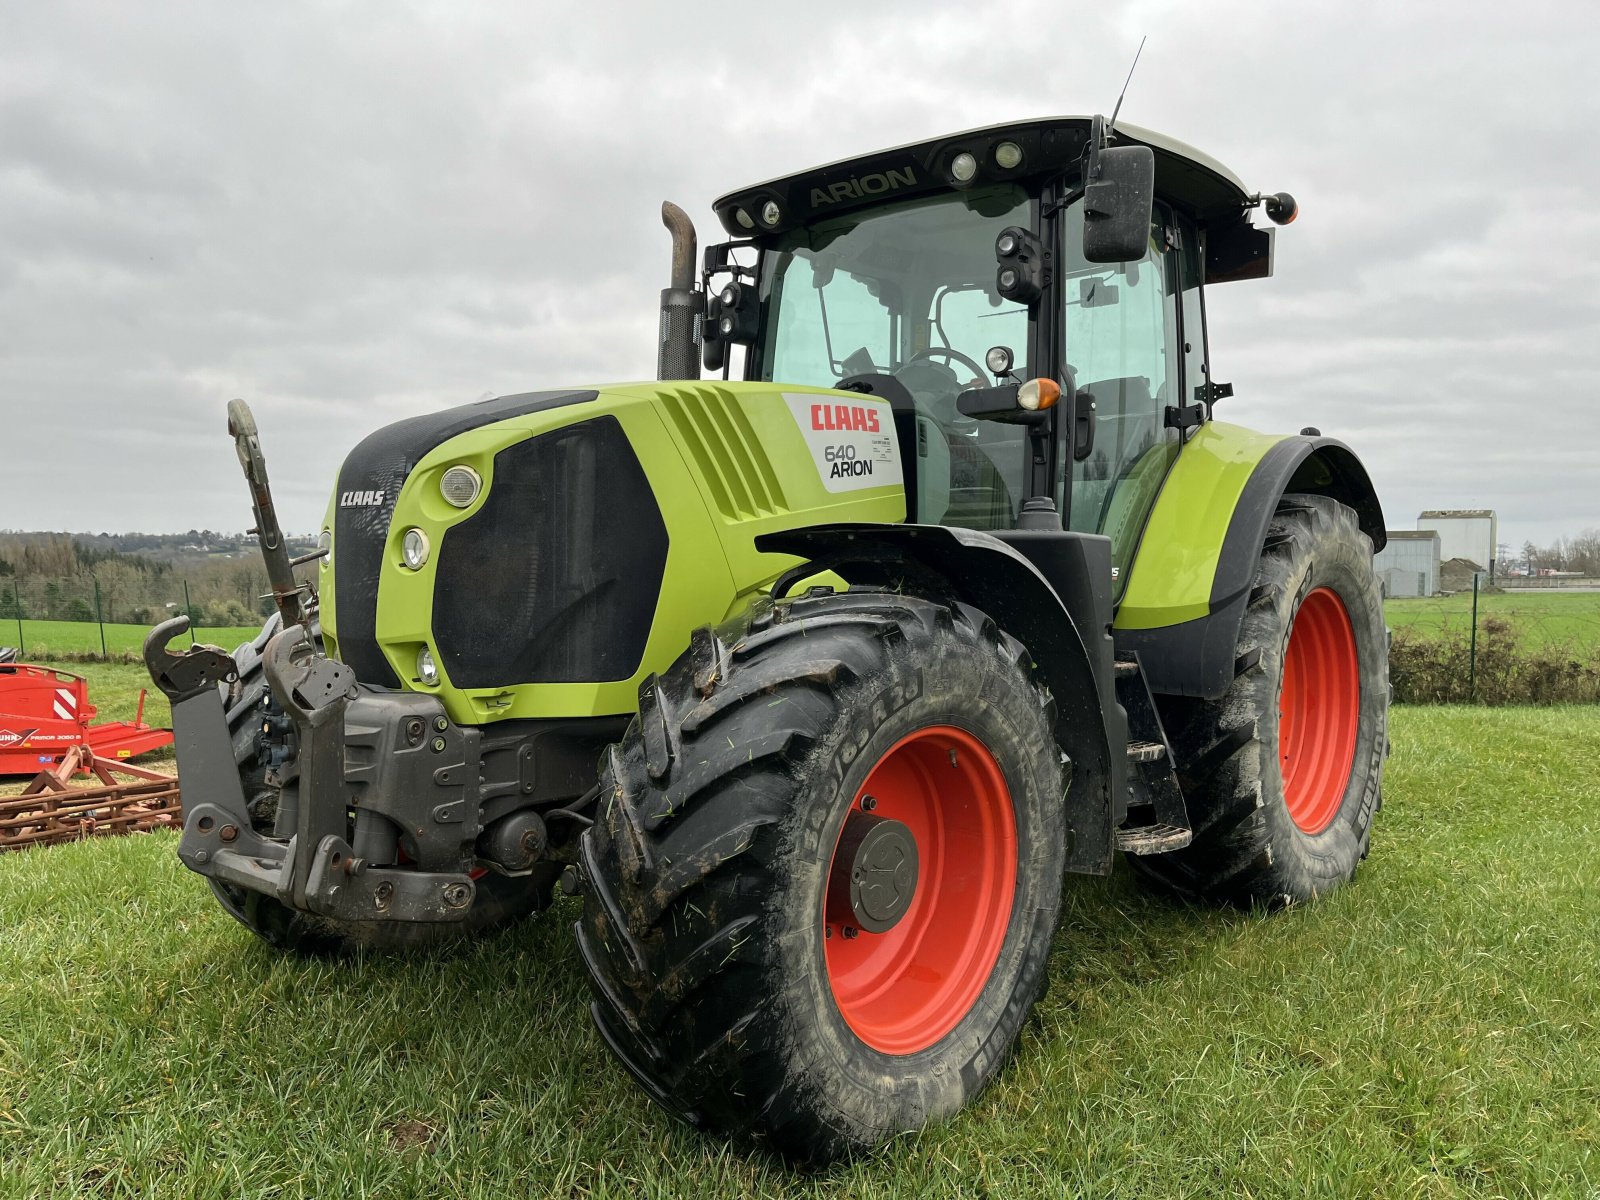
(602, 526)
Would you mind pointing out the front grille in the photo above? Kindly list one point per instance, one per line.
(555, 578)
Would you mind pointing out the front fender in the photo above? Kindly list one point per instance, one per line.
(982, 570)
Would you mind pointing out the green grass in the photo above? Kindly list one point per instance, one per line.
(1432, 1030)
(42, 639)
(1543, 618)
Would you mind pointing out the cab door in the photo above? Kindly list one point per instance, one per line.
(1123, 349)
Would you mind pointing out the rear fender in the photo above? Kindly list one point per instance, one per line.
(986, 572)
(1195, 656)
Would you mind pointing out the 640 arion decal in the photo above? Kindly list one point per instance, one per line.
(852, 442)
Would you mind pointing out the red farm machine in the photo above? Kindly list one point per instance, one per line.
(47, 732)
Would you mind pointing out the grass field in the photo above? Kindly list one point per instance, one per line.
(1433, 1030)
(1547, 616)
(1542, 617)
(42, 639)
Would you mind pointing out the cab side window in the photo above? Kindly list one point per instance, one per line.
(1123, 349)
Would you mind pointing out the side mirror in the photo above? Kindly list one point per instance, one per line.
(1117, 204)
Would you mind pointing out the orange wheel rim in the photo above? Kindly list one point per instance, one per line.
(903, 989)
(1319, 711)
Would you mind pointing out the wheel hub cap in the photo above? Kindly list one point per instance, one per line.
(874, 873)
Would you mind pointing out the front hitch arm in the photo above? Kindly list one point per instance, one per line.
(215, 808)
(314, 691)
(288, 595)
(183, 676)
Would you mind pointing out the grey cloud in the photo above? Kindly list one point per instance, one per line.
(350, 213)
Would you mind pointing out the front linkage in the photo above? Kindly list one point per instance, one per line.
(417, 779)
(369, 805)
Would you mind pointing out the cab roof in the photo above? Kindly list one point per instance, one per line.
(1185, 177)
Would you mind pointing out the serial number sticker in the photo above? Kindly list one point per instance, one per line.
(852, 442)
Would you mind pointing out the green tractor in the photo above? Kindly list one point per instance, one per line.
(959, 588)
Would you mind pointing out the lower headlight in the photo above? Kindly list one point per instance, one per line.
(426, 670)
(414, 548)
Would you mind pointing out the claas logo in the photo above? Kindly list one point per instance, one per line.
(844, 416)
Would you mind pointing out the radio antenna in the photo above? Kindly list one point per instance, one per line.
(1112, 127)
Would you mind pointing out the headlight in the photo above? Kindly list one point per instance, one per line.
(460, 486)
(325, 548)
(414, 548)
(426, 671)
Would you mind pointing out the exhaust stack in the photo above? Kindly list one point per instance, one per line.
(679, 356)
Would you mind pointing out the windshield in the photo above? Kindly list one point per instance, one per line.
(908, 290)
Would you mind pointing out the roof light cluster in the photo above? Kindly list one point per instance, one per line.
(965, 167)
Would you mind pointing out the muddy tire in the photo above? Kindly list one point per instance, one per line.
(759, 822)
(1283, 774)
(499, 900)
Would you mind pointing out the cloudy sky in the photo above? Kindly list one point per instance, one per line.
(352, 212)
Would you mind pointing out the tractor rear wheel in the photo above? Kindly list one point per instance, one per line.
(1282, 774)
(825, 870)
(499, 901)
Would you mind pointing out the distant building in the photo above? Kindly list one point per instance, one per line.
(1409, 564)
(1469, 533)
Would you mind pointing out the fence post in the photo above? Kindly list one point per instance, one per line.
(188, 611)
(101, 621)
(1472, 667)
(16, 599)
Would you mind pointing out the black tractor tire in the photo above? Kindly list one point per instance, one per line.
(707, 873)
(500, 900)
(1269, 830)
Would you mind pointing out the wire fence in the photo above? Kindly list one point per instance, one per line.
(1519, 646)
(74, 620)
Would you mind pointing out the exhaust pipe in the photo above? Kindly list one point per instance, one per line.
(681, 314)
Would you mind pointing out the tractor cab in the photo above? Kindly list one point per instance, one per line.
(947, 275)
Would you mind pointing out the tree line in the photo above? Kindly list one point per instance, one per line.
(62, 577)
(1578, 553)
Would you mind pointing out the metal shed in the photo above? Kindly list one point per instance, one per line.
(1409, 564)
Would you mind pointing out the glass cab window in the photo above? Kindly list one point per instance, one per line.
(907, 290)
(1122, 349)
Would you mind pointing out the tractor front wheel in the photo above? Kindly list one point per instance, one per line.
(826, 869)
(1282, 774)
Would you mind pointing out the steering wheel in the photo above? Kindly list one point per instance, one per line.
(948, 352)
